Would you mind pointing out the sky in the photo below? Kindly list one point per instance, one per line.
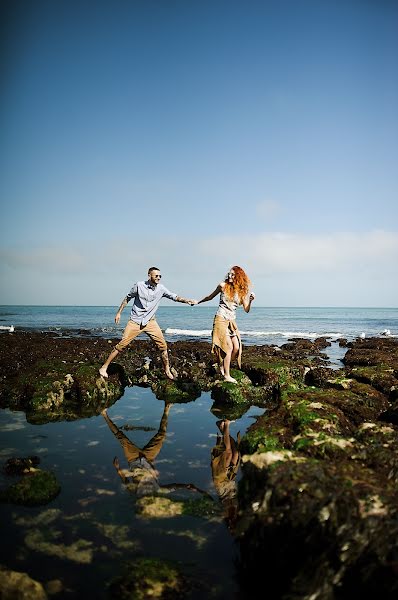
(194, 135)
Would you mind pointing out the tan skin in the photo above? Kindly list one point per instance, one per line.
(233, 342)
(154, 277)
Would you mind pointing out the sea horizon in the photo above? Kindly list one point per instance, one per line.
(208, 304)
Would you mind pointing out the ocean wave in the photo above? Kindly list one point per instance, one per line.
(284, 334)
(189, 332)
(293, 334)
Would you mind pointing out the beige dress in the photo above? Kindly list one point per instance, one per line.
(224, 327)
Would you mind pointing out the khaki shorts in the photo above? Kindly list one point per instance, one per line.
(133, 329)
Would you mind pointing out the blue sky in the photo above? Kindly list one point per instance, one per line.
(194, 135)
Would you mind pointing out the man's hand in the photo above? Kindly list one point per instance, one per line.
(192, 302)
(116, 463)
(117, 318)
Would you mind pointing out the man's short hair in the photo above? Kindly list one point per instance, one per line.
(152, 269)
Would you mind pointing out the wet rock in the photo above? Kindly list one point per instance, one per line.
(19, 586)
(318, 493)
(35, 488)
(373, 351)
(20, 465)
(176, 391)
(318, 497)
(150, 578)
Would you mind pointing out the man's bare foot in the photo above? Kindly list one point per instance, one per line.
(103, 372)
(230, 379)
(169, 374)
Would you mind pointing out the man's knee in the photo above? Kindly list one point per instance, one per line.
(162, 346)
(120, 347)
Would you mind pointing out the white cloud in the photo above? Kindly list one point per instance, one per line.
(268, 209)
(286, 269)
(288, 253)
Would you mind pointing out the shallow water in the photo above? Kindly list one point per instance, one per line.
(85, 535)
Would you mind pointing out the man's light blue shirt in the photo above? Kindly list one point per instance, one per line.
(146, 300)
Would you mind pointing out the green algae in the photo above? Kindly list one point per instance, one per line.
(81, 551)
(260, 440)
(36, 488)
(149, 578)
(176, 391)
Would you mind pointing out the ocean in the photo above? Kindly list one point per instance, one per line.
(262, 325)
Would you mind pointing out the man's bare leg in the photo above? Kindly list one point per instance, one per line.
(166, 364)
(103, 369)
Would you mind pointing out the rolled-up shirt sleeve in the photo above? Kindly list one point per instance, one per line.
(170, 295)
(132, 293)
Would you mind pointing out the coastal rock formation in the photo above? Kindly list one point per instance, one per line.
(52, 377)
(36, 487)
(318, 498)
(19, 586)
(318, 501)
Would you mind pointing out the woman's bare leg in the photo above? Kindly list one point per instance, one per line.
(227, 363)
(235, 347)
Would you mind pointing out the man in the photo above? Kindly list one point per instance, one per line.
(147, 295)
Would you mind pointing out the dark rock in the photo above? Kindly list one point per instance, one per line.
(318, 494)
(34, 489)
(19, 465)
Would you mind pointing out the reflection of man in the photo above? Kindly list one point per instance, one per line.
(225, 461)
(141, 477)
(141, 474)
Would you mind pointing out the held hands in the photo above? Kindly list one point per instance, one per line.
(192, 302)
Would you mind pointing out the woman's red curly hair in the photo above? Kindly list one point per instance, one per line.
(240, 285)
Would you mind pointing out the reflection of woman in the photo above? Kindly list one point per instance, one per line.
(225, 461)
(226, 343)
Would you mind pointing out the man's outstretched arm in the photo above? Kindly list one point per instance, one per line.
(185, 300)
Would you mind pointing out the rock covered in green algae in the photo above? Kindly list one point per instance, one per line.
(149, 578)
(318, 498)
(156, 507)
(15, 585)
(242, 393)
(36, 488)
(176, 391)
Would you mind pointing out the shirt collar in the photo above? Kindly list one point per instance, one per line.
(150, 285)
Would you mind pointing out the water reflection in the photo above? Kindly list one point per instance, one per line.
(141, 475)
(180, 522)
(225, 462)
(141, 478)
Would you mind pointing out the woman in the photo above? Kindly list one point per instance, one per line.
(226, 342)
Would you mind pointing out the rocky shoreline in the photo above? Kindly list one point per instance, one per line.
(318, 498)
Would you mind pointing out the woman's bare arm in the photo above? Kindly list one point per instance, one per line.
(248, 302)
(212, 295)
